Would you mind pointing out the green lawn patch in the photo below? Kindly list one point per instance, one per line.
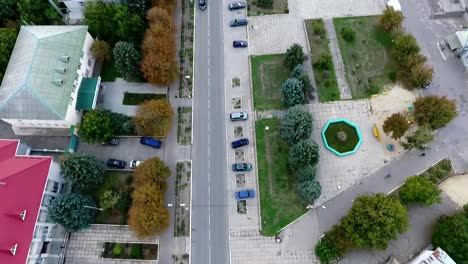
(280, 203)
(367, 60)
(332, 139)
(439, 171)
(268, 75)
(139, 98)
(327, 86)
(108, 72)
(279, 7)
(119, 182)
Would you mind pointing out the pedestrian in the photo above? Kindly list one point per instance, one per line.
(388, 176)
(423, 154)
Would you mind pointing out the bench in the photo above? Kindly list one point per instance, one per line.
(376, 132)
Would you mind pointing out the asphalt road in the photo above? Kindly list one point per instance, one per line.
(209, 237)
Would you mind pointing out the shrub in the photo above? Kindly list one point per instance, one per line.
(396, 124)
(319, 28)
(117, 250)
(421, 75)
(326, 251)
(294, 56)
(292, 92)
(404, 46)
(325, 62)
(348, 34)
(372, 89)
(392, 76)
(306, 173)
(391, 19)
(419, 189)
(296, 125)
(298, 71)
(304, 153)
(265, 3)
(419, 139)
(309, 190)
(436, 111)
(135, 251)
(101, 50)
(108, 199)
(126, 59)
(341, 136)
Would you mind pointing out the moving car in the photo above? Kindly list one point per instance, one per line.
(113, 142)
(236, 5)
(245, 194)
(238, 22)
(149, 141)
(238, 116)
(202, 4)
(115, 163)
(241, 167)
(239, 44)
(239, 143)
(135, 163)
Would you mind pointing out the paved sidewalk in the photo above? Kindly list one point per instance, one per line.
(345, 92)
(308, 9)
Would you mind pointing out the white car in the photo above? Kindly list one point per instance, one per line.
(135, 163)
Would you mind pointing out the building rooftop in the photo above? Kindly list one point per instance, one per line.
(41, 73)
(22, 183)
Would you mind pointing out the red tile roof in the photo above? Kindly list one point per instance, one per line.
(22, 183)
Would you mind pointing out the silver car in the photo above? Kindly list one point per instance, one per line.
(238, 116)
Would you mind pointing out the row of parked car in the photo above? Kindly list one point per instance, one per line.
(120, 164)
(203, 4)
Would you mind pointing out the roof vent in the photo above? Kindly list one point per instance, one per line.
(61, 70)
(13, 249)
(64, 58)
(23, 215)
(58, 82)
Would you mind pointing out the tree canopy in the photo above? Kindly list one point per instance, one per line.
(96, 127)
(419, 189)
(309, 190)
(296, 125)
(391, 19)
(38, 12)
(153, 118)
(451, 234)
(69, 210)
(404, 46)
(374, 220)
(436, 111)
(294, 56)
(152, 171)
(7, 43)
(304, 153)
(292, 92)
(396, 124)
(84, 171)
(419, 140)
(101, 50)
(307, 173)
(127, 59)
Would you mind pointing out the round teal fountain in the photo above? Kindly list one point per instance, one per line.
(341, 137)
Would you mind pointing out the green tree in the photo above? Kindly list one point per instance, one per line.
(419, 189)
(38, 12)
(309, 190)
(404, 46)
(374, 220)
(397, 124)
(391, 19)
(299, 73)
(101, 50)
(419, 140)
(265, 3)
(304, 153)
(307, 173)
(7, 43)
(348, 34)
(108, 199)
(436, 111)
(296, 125)
(420, 75)
(451, 234)
(84, 171)
(138, 6)
(126, 59)
(294, 56)
(326, 251)
(9, 10)
(154, 118)
(333, 245)
(292, 92)
(96, 127)
(71, 211)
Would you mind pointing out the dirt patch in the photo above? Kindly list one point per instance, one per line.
(238, 132)
(455, 187)
(236, 103)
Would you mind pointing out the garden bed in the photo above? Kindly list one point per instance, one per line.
(182, 194)
(278, 7)
(184, 125)
(332, 139)
(186, 50)
(139, 98)
(279, 200)
(120, 183)
(439, 171)
(268, 75)
(143, 251)
(325, 79)
(367, 59)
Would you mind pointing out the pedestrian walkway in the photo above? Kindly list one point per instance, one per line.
(345, 92)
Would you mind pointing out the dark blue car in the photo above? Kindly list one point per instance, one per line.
(149, 141)
(239, 143)
(239, 44)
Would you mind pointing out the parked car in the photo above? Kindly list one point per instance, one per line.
(135, 163)
(236, 5)
(115, 163)
(239, 44)
(202, 4)
(245, 194)
(149, 141)
(238, 22)
(239, 143)
(113, 142)
(241, 167)
(238, 116)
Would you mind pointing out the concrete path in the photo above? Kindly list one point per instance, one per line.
(345, 92)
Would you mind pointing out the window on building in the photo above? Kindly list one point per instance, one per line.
(42, 216)
(79, 66)
(77, 77)
(90, 62)
(45, 232)
(38, 260)
(87, 73)
(47, 200)
(52, 186)
(81, 55)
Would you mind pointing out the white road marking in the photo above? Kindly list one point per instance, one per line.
(209, 150)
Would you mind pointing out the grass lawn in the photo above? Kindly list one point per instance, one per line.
(108, 72)
(439, 171)
(119, 182)
(138, 98)
(279, 7)
(327, 86)
(333, 142)
(280, 203)
(367, 60)
(268, 75)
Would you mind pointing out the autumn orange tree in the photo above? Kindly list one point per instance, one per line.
(148, 216)
(153, 118)
(159, 64)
